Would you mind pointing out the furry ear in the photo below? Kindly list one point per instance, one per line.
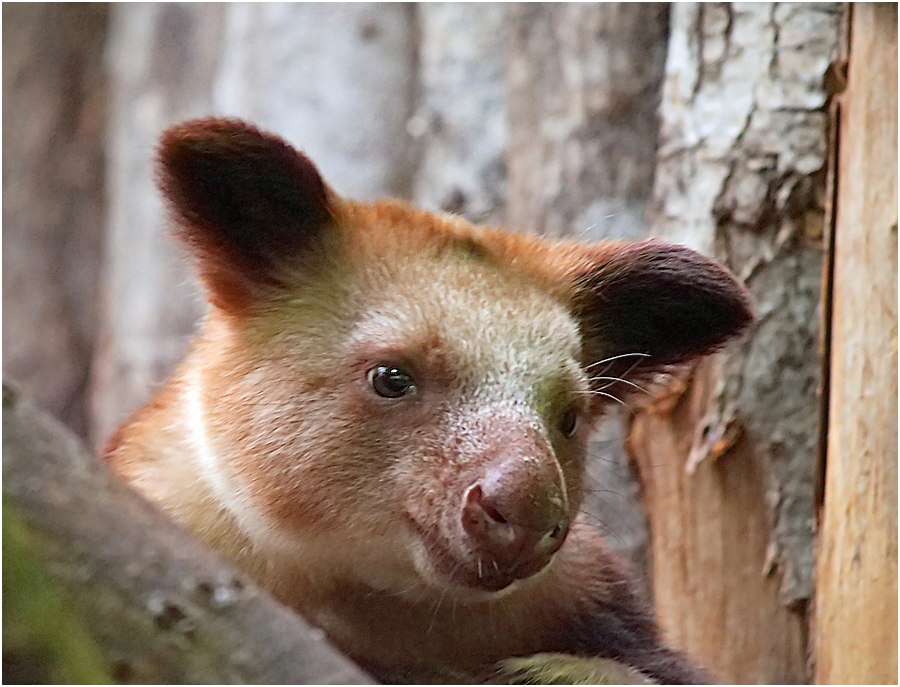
(245, 202)
(657, 304)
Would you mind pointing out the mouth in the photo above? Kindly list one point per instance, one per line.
(472, 571)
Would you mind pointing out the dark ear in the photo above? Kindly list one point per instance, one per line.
(245, 201)
(657, 304)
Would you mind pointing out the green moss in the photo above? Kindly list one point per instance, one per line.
(44, 640)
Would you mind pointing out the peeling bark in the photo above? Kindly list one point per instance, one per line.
(741, 177)
(160, 606)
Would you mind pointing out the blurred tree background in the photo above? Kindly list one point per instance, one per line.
(704, 124)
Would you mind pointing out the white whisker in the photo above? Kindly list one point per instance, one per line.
(597, 392)
(613, 380)
(625, 374)
(435, 613)
(618, 357)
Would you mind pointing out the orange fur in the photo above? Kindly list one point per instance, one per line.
(419, 532)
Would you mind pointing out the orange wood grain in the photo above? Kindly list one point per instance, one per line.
(855, 621)
(715, 595)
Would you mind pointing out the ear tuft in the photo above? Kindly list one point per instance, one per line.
(245, 200)
(661, 300)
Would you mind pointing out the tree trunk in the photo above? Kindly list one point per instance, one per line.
(54, 119)
(461, 119)
(174, 61)
(584, 84)
(727, 461)
(161, 60)
(337, 80)
(160, 606)
(855, 620)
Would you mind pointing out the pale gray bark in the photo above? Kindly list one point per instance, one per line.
(54, 116)
(161, 58)
(584, 84)
(335, 79)
(461, 118)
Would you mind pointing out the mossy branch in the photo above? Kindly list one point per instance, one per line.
(144, 600)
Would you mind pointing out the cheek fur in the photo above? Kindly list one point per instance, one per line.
(285, 445)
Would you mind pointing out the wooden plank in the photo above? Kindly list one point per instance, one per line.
(855, 625)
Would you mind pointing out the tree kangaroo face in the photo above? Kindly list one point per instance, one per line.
(440, 420)
(383, 399)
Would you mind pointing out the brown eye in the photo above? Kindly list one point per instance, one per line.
(568, 422)
(391, 382)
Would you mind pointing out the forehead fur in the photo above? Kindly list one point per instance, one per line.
(478, 326)
(438, 279)
(374, 232)
(404, 284)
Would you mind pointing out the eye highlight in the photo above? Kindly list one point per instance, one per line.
(390, 381)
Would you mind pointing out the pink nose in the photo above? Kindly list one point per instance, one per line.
(514, 520)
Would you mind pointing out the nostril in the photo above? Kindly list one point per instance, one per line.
(493, 513)
(476, 498)
(553, 539)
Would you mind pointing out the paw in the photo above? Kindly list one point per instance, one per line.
(563, 669)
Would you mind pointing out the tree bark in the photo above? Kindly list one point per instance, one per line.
(337, 80)
(161, 60)
(54, 116)
(584, 85)
(727, 460)
(855, 615)
(161, 608)
(460, 122)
